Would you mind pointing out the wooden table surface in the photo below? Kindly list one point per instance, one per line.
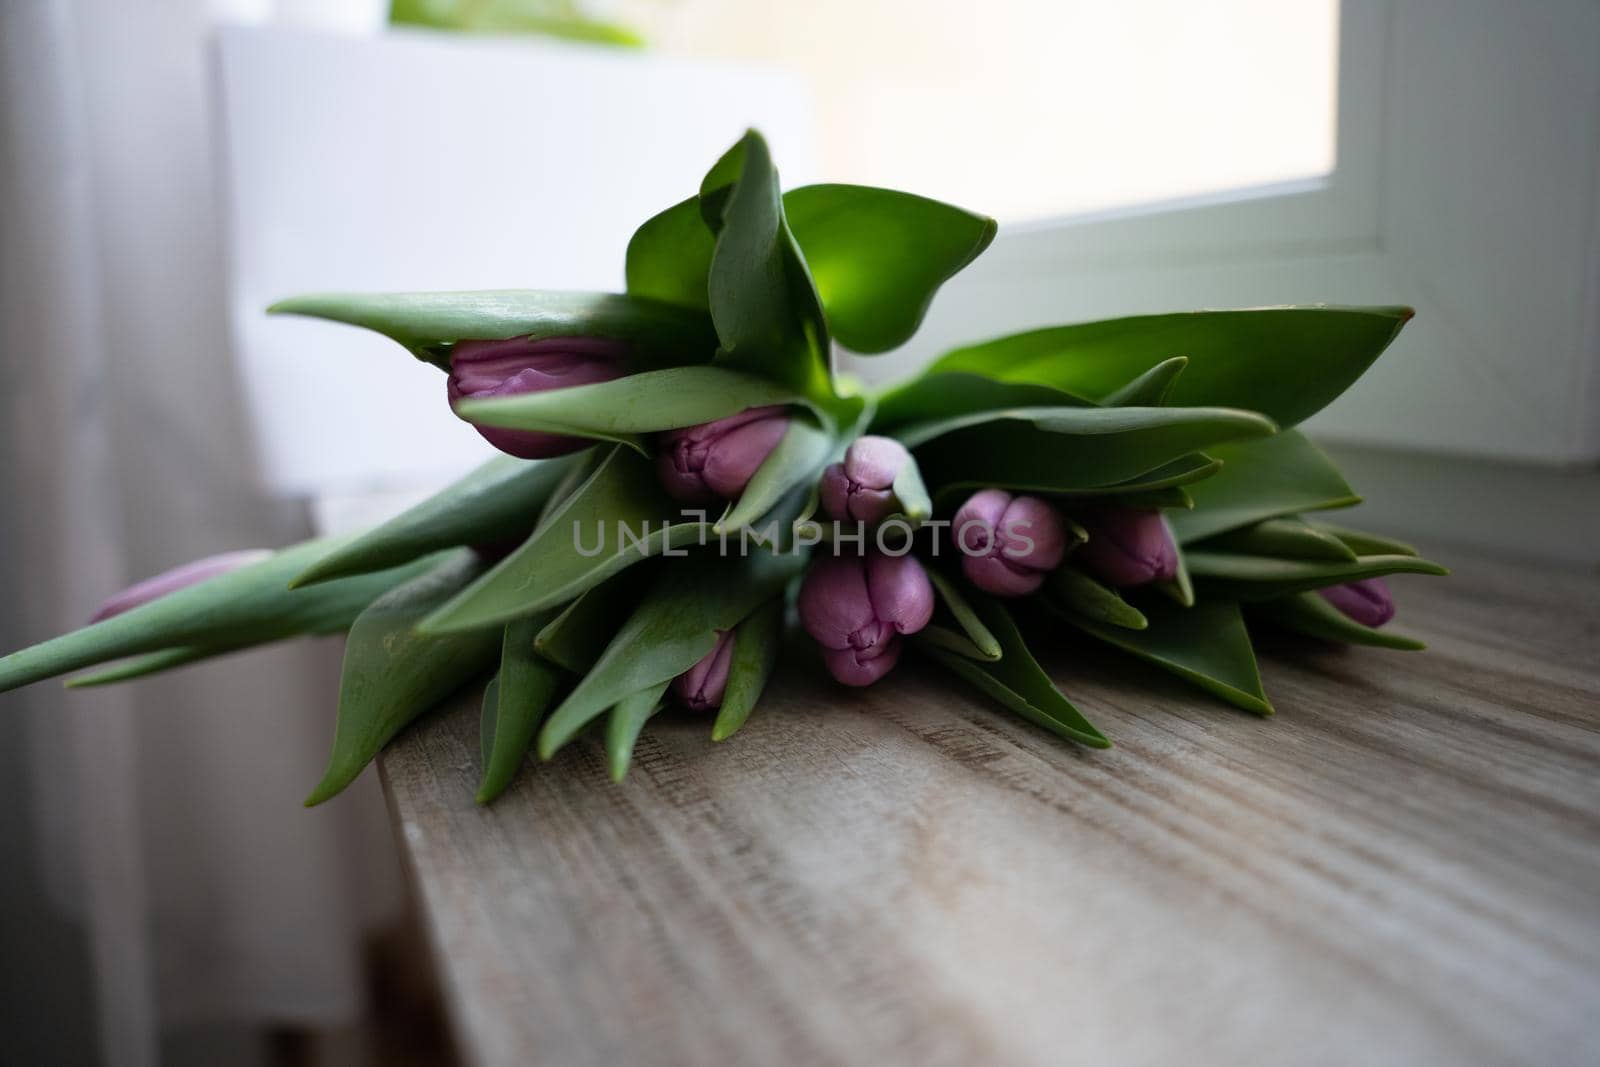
(1402, 867)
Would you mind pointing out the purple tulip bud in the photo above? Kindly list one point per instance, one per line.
(715, 460)
(1008, 544)
(178, 578)
(856, 608)
(1366, 601)
(1128, 546)
(862, 487)
(481, 369)
(701, 686)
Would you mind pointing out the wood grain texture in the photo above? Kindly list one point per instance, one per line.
(1402, 867)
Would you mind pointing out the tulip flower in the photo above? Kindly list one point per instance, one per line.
(1128, 546)
(1366, 601)
(715, 460)
(857, 608)
(482, 369)
(862, 487)
(701, 686)
(178, 578)
(1008, 544)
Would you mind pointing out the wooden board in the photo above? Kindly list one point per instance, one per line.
(1402, 867)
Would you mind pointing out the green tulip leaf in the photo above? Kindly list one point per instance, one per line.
(618, 517)
(392, 673)
(669, 257)
(1185, 470)
(620, 410)
(1206, 644)
(1259, 480)
(1286, 363)
(1057, 450)
(1017, 681)
(577, 475)
(911, 494)
(658, 334)
(718, 184)
(512, 16)
(151, 663)
(1365, 544)
(1241, 577)
(494, 504)
(488, 719)
(674, 627)
(1152, 389)
(1290, 537)
(938, 396)
(1180, 587)
(524, 690)
(763, 302)
(1311, 615)
(878, 256)
(943, 637)
(973, 639)
(249, 606)
(932, 398)
(627, 719)
(755, 655)
(575, 638)
(798, 458)
(1069, 590)
(1162, 499)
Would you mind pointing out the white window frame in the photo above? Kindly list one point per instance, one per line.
(1467, 184)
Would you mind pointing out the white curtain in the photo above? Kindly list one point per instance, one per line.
(160, 822)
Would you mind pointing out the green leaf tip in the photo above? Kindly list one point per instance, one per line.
(1286, 362)
(494, 504)
(755, 655)
(515, 703)
(1312, 616)
(245, 607)
(879, 256)
(392, 674)
(1016, 680)
(624, 725)
(655, 331)
(1206, 644)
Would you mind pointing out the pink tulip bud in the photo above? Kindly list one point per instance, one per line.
(862, 487)
(178, 578)
(701, 686)
(482, 369)
(1366, 601)
(1128, 546)
(1008, 544)
(715, 460)
(857, 607)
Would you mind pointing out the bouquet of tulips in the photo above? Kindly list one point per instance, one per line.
(684, 473)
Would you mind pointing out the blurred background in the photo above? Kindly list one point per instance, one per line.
(170, 167)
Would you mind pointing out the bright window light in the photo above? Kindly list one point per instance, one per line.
(1031, 109)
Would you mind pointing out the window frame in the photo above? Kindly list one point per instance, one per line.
(1442, 109)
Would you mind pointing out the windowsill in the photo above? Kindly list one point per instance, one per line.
(1515, 510)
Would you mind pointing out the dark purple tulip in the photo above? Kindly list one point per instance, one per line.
(701, 686)
(482, 369)
(178, 578)
(1128, 546)
(862, 487)
(1008, 544)
(715, 460)
(857, 608)
(1366, 601)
